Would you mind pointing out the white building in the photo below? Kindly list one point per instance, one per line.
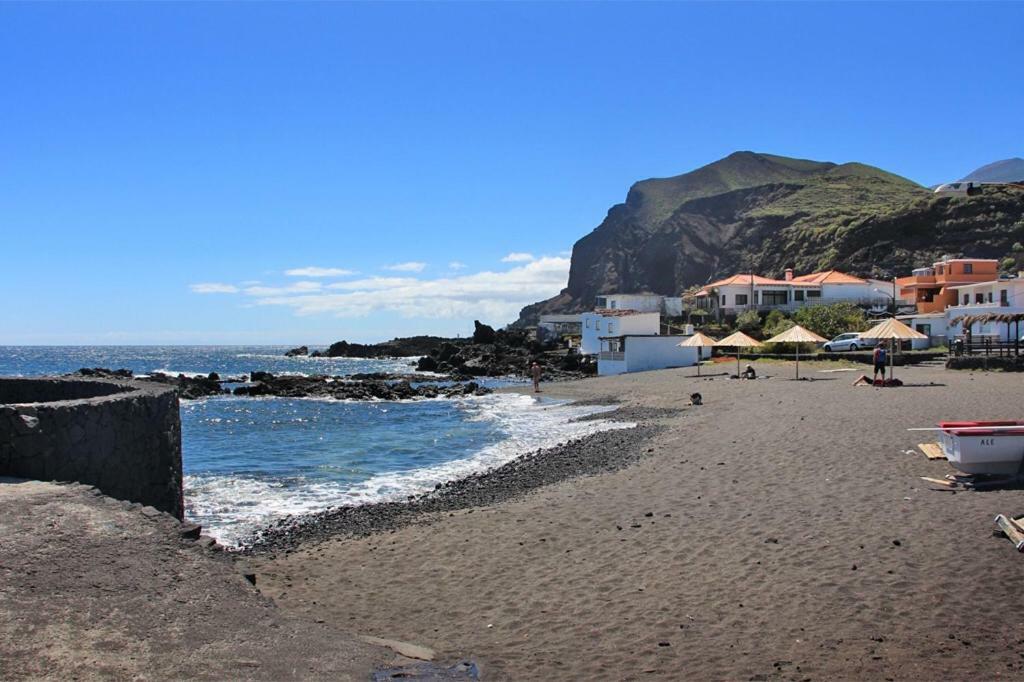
(558, 327)
(932, 325)
(607, 322)
(640, 353)
(644, 303)
(998, 296)
(739, 293)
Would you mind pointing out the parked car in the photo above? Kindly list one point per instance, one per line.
(848, 341)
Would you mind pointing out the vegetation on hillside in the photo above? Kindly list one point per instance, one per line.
(764, 213)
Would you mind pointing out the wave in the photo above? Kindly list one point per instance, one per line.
(232, 507)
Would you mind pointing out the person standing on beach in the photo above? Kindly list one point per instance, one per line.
(535, 372)
(878, 358)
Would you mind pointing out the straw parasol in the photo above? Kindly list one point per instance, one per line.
(698, 341)
(797, 335)
(892, 329)
(969, 321)
(737, 341)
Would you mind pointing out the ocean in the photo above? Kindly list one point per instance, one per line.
(249, 461)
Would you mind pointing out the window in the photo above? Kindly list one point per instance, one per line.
(1004, 297)
(939, 269)
(723, 299)
(798, 295)
(588, 324)
(979, 298)
(774, 297)
(968, 268)
(990, 297)
(967, 299)
(925, 329)
(741, 299)
(614, 303)
(611, 328)
(814, 293)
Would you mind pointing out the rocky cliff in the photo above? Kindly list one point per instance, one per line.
(765, 213)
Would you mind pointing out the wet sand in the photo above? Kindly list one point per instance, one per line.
(779, 531)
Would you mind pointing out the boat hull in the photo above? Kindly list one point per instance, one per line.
(997, 453)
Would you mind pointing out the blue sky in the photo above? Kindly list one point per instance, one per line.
(302, 173)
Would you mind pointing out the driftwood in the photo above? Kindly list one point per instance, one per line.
(932, 450)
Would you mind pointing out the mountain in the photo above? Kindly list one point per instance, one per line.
(764, 213)
(1007, 170)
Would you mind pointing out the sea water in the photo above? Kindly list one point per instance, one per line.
(249, 461)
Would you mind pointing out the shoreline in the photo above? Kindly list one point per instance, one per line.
(601, 452)
(779, 531)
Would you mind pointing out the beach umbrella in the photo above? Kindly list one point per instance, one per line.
(797, 335)
(698, 341)
(738, 340)
(892, 329)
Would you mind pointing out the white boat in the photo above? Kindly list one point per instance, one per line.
(983, 447)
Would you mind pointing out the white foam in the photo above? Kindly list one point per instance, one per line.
(232, 507)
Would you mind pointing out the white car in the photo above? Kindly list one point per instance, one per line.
(848, 341)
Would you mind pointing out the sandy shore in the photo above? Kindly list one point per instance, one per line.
(779, 531)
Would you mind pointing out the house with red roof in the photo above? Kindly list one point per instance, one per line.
(742, 292)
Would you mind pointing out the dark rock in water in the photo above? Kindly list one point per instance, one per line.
(427, 364)
(429, 672)
(261, 376)
(483, 333)
(296, 352)
(447, 352)
(346, 389)
(506, 352)
(190, 388)
(395, 348)
(104, 373)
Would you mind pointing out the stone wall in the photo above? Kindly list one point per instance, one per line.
(122, 437)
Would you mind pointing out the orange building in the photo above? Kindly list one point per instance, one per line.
(932, 290)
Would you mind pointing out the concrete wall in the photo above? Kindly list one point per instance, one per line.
(645, 353)
(122, 437)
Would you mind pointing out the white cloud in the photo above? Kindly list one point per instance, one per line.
(518, 257)
(303, 287)
(213, 288)
(374, 283)
(457, 265)
(494, 297)
(411, 266)
(314, 271)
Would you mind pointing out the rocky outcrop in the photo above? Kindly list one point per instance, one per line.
(505, 352)
(344, 389)
(188, 388)
(395, 348)
(297, 352)
(763, 213)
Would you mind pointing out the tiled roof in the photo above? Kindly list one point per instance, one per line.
(829, 277)
(744, 279)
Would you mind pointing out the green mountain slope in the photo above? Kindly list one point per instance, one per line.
(765, 213)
